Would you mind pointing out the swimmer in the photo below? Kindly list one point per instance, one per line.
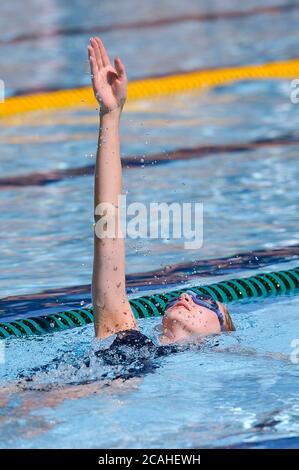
(187, 316)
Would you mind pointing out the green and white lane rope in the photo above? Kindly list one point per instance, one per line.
(232, 290)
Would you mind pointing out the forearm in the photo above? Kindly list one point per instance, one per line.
(108, 177)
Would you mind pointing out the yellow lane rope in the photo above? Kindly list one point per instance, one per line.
(151, 87)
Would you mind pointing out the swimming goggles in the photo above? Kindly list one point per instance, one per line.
(203, 301)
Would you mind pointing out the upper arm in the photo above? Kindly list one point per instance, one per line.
(112, 310)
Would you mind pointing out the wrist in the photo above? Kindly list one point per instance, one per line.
(113, 115)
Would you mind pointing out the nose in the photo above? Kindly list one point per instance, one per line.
(185, 296)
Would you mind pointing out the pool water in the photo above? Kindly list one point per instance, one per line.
(244, 207)
(236, 390)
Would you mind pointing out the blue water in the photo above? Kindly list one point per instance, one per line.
(238, 389)
(244, 208)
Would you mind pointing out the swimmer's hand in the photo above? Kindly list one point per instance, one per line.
(109, 83)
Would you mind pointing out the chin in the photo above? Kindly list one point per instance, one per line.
(176, 338)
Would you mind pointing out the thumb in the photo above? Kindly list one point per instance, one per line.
(120, 68)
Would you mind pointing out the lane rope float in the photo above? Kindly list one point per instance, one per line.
(227, 291)
(150, 87)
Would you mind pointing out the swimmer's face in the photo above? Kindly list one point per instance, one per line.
(185, 318)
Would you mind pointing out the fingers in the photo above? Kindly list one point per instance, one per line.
(92, 62)
(92, 59)
(119, 67)
(103, 52)
(97, 52)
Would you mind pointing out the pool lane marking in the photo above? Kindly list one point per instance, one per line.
(152, 87)
(55, 175)
(151, 23)
(147, 305)
(52, 300)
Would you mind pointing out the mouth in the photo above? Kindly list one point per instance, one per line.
(182, 303)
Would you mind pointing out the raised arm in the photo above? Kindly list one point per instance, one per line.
(112, 311)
